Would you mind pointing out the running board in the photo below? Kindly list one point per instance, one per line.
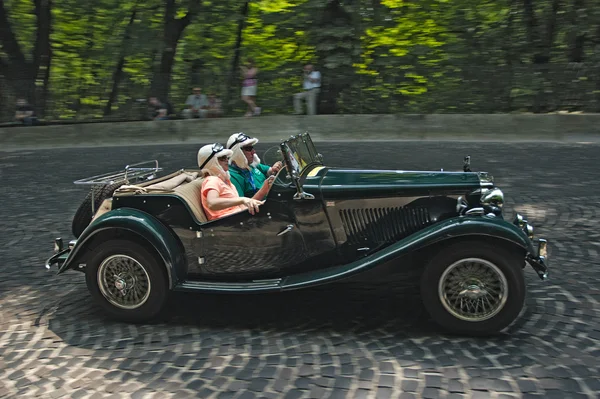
(323, 276)
(211, 286)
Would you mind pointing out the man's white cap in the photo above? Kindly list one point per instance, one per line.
(235, 143)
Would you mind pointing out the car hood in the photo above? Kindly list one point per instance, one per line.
(342, 183)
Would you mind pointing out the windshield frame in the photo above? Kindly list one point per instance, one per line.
(300, 154)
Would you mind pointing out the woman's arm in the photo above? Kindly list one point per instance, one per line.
(216, 203)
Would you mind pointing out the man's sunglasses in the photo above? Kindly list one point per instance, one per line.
(216, 148)
(248, 148)
(223, 158)
(240, 139)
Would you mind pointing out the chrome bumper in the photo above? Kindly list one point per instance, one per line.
(60, 254)
(539, 260)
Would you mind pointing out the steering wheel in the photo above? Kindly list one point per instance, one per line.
(272, 155)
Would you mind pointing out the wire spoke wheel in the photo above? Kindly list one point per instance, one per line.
(473, 289)
(123, 281)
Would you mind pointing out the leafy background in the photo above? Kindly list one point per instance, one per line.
(81, 60)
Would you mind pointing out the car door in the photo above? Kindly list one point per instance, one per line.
(248, 245)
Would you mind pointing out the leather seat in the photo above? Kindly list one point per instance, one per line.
(191, 194)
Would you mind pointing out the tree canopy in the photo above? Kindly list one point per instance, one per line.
(79, 60)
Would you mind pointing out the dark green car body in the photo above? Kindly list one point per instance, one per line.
(319, 224)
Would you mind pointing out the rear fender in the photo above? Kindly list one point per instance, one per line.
(144, 226)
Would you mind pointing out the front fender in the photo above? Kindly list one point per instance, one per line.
(460, 226)
(147, 227)
(486, 226)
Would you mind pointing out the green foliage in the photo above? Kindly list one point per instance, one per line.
(375, 56)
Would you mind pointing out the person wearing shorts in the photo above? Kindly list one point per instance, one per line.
(249, 87)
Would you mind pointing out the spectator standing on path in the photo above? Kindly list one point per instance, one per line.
(249, 87)
(25, 113)
(197, 105)
(312, 88)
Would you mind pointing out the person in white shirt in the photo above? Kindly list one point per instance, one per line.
(312, 88)
(197, 105)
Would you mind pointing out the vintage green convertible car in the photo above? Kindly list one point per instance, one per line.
(319, 224)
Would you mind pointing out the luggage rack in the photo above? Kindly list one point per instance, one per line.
(130, 172)
(130, 175)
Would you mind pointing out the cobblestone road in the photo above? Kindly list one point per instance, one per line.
(357, 341)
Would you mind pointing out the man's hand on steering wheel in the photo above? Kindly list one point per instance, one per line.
(276, 167)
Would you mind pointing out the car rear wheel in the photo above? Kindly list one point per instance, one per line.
(127, 280)
(474, 288)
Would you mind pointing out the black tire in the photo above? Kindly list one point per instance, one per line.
(84, 214)
(147, 310)
(508, 264)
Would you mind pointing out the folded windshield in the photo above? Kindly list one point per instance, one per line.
(301, 152)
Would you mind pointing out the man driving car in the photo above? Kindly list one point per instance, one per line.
(247, 172)
(218, 195)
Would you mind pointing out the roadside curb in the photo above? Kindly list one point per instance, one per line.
(570, 128)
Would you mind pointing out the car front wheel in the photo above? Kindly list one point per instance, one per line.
(127, 280)
(474, 288)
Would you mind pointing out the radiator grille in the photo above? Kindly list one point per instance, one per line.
(382, 225)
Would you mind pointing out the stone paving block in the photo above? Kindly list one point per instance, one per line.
(293, 394)
(339, 394)
(258, 385)
(501, 386)
(79, 394)
(343, 383)
(303, 383)
(362, 394)
(409, 385)
(384, 393)
(280, 385)
(226, 395)
(433, 381)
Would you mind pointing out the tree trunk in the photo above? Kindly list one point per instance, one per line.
(42, 54)
(235, 62)
(18, 71)
(336, 26)
(541, 44)
(575, 39)
(551, 30)
(118, 72)
(172, 30)
(508, 51)
(531, 24)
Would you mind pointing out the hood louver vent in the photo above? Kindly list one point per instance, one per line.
(382, 225)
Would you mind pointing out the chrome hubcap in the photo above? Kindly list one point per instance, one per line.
(120, 284)
(124, 282)
(473, 289)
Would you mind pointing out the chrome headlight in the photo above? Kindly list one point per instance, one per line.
(519, 221)
(529, 231)
(494, 197)
(523, 225)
